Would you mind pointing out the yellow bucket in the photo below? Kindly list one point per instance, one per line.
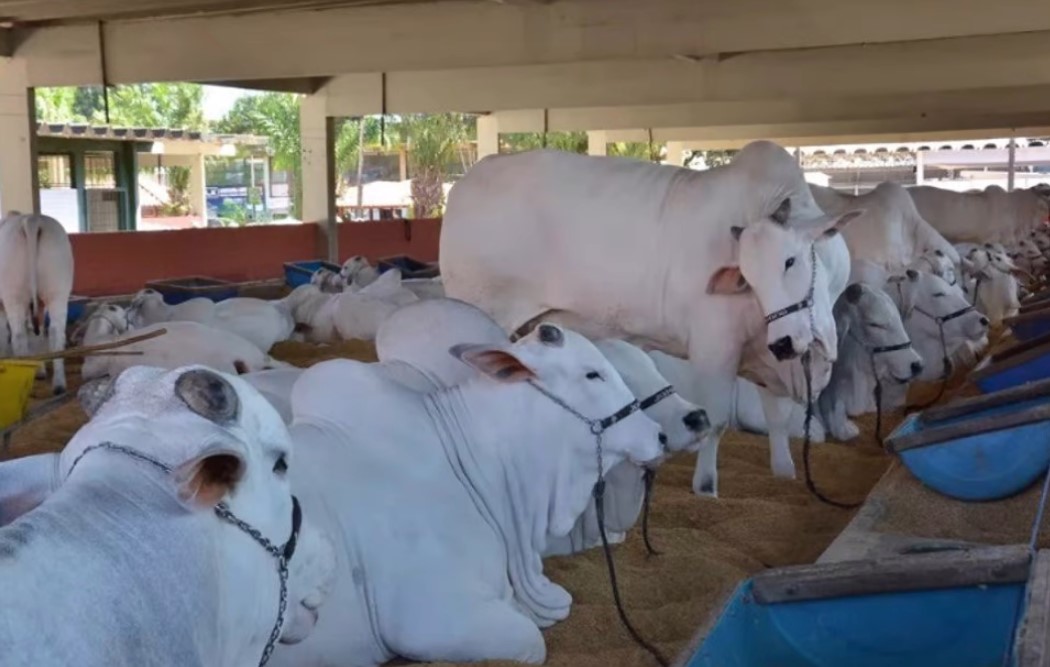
(16, 383)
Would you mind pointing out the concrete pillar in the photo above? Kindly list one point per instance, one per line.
(675, 153)
(488, 135)
(1011, 163)
(920, 167)
(18, 174)
(197, 192)
(317, 136)
(598, 142)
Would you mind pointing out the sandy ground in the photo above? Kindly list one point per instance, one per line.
(707, 545)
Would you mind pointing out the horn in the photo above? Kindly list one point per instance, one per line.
(94, 394)
(209, 395)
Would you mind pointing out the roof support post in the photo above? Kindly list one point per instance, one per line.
(488, 135)
(1010, 164)
(18, 174)
(597, 142)
(317, 135)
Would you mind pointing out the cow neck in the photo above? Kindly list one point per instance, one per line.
(116, 556)
(853, 372)
(515, 494)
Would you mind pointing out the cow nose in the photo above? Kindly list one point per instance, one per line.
(663, 438)
(696, 421)
(916, 368)
(984, 321)
(782, 348)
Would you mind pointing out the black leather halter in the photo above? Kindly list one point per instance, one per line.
(649, 402)
(806, 302)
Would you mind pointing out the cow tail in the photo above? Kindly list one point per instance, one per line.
(32, 230)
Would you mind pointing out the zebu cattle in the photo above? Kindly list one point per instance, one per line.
(991, 286)
(260, 322)
(184, 343)
(358, 271)
(992, 215)
(131, 534)
(874, 349)
(327, 281)
(702, 259)
(36, 267)
(445, 500)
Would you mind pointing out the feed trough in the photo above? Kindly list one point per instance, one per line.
(957, 609)
(178, 290)
(1030, 324)
(299, 273)
(980, 448)
(410, 268)
(1026, 361)
(16, 384)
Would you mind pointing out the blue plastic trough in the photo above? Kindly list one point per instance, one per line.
(410, 268)
(299, 273)
(1030, 324)
(980, 448)
(177, 290)
(1027, 361)
(931, 610)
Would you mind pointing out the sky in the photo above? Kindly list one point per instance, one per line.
(219, 99)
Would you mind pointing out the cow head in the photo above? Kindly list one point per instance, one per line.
(558, 380)
(924, 300)
(222, 443)
(146, 308)
(778, 262)
(869, 317)
(683, 423)
(991, 284)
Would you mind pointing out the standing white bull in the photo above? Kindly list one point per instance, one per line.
(445, 500)
(36, 266)
(692, 263)
(132, 534)
(992, 215)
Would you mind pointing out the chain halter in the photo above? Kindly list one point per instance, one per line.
(281, 554)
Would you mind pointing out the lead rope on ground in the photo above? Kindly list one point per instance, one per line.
(807, 441)
(648, 477)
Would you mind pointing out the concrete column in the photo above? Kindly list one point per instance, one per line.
(598, 142)
(197, 191)
(18, 174)
(488, 135)
(675, 153)
(920, 167)
(1011, 163)
(316, 132)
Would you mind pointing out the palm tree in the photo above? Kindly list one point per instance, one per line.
(434, 143)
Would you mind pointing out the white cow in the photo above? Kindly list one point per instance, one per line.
(184, 343)
(991, 286)
(890, 232)
(358, 271)
(260, 322)
(129, 534)
(36, 267)
(874, 349)
(701, 258)
(445, 500)
(992, 215)
(327, 281)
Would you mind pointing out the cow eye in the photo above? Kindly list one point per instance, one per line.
(939, 294)
(594, 375)
(789, 263)
(281, 465)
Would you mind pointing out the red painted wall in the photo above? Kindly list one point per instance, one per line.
(122, 262)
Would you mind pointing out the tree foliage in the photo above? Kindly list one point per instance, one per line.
(570, 142)
(174, 105)
(433, 143)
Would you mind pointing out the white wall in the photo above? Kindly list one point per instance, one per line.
(62, 205)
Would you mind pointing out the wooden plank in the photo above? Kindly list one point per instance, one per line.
(1041, 295)
(1030, 316)
(1033, 641)
(1018, 348)
(1016, 355)
(992, 565)
(934, 436)
(1036, 304)
(964, 406)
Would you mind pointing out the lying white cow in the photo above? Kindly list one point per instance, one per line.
(874, 349)
(327, 281)
(358, 271)
(184, 343)
(703, 259)
(992, 215)
(260, 322)
(445, 500)
(131, 535)
(36, 267)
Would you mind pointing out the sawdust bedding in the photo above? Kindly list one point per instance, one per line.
(707, 545)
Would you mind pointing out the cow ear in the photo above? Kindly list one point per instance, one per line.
(727, 280)
(838, 223)
(206, 480)
(494, 362)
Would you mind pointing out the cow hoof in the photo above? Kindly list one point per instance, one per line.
(707, 488)
(58, 391)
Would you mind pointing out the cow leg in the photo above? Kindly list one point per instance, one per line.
(718, 406)
(778, 418)
(839, 424)
(17, 317)
(58, 312)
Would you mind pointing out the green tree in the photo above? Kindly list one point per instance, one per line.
(276, 116)
(433, 143)
(519, 142)
(169, 105)
(635, 149)
(56, 105)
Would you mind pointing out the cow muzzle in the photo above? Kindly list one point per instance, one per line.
(783, 348)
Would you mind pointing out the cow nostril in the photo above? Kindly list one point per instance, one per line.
(782, 348)
(984, 321)
(663, 438)
(916, 367)
(696, 421)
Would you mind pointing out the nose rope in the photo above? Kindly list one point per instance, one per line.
(649, 475)
(598, 427)
(873, 351)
